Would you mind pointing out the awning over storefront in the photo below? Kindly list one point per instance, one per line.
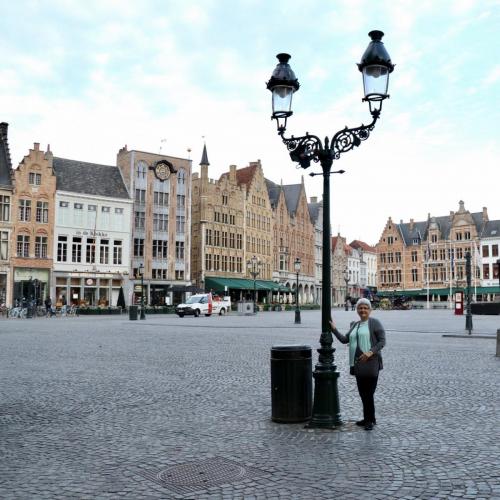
(219, 285)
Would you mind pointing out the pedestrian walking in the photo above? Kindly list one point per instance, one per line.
(366, 338)
(48, 307)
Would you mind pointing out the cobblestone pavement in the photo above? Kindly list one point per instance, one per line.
(170, 408)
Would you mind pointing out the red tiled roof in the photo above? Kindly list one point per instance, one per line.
(245, 175)
(364, 246)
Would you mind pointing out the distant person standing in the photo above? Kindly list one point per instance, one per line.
(48, 307)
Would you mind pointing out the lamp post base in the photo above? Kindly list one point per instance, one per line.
(326, 407)
(297, 316)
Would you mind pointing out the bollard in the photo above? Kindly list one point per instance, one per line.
(498, 343)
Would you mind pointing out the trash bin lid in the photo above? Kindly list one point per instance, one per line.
(291, 351)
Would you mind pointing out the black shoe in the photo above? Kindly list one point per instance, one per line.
(369, 426)
(361, 423)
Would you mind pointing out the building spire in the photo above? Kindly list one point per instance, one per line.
(204, 156)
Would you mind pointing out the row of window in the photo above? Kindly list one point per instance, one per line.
(256, 200)
(160, 199)
(90, 208)
(223, 239)
(258, 221)
(80, 250)
(160, 273)
(160, 222)
(23, 246)
(256, 245)
(4, 208)
(223, 263)
(41, 214)
(487, 253)
(225, 218)
(159, 249)
(442, 253)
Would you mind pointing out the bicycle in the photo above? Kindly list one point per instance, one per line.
(18, 312)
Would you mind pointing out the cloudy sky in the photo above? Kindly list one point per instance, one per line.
(88, 77)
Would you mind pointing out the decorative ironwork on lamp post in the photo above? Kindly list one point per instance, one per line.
(253, 266)
(375, 66)
(297, 308)
(141, 274)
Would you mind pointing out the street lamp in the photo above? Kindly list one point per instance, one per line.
(346, 279)
(297, 309)
(141, 274)
(375, 66)
(468, 315)
(253, 266)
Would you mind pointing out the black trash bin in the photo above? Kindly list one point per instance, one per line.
(132, 312)
(291, 383)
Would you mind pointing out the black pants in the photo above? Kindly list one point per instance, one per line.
(366, 389)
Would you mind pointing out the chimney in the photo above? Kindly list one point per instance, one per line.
(36, 146)
(232, 173)
(412, 224)
(485, 214)
(314, 199)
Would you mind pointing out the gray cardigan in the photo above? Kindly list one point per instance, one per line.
(377, 336)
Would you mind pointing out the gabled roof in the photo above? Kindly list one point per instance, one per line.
(245, 175)
(5, 161)
(273, 191)
(363, 246)
(491, 229)
(314, 211)
(420, 229)
(292, 196)
(89, 178)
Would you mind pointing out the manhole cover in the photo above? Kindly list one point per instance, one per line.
(202, 474)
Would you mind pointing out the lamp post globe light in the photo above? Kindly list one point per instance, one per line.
(297, 308)
(253, 266)
(346, 279)
(141, 273)
(375, 67)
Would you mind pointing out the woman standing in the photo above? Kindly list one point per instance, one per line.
(366, 338)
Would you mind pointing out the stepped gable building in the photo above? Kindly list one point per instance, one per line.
(218, 225)
(340, 251)
(294, 237)
(6, 190)
(33, 226)
(160, 186)
(430, 254)
(258, 218)
(91, 235)
(316, 213)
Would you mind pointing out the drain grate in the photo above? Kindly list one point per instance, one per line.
(202, 474)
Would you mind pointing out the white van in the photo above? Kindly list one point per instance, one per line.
(204, 303)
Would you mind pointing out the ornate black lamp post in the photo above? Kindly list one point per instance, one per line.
(297, 308)
(253, 266)
(346, 279)
(141, 274)
(375, 66)
(468, 313)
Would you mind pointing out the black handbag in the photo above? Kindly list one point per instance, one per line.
(364, 369)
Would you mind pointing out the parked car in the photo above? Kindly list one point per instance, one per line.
(204, 303)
